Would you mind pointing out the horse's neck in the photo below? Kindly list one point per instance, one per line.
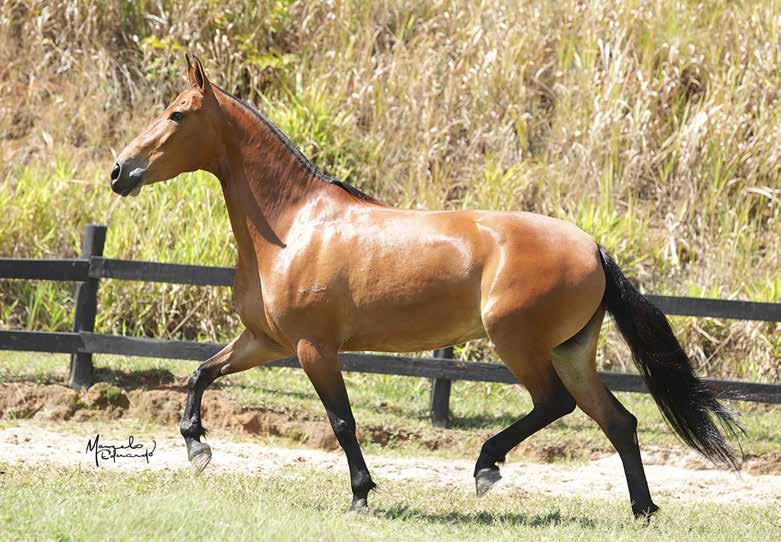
(264, 184)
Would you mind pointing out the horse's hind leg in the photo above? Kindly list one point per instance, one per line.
(551, 401)
(243, 353)
(575, 362)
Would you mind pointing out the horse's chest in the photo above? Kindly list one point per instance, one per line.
(248, 300)
(277, 307)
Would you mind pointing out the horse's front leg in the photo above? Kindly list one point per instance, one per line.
(321, 365)
(244, 352)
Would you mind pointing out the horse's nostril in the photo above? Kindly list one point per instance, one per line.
(115, 172)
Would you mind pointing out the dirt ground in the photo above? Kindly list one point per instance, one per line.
(32, 442)
(45, 428)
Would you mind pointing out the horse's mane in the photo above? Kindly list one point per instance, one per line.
(350, 189)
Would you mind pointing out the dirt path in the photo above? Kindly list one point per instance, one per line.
(31, 443)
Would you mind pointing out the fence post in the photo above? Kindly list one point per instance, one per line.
(81, 375)
(440, 393)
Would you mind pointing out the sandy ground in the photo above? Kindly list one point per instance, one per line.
(31, 443)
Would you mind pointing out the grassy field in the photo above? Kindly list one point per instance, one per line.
(305, 505)
(392, 412)
(627, 118)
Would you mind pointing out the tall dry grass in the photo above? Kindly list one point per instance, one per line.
(652, 124)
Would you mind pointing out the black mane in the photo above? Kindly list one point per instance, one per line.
(350, 189)
(353, 191)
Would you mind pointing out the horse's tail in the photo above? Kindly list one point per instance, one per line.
(688, 405)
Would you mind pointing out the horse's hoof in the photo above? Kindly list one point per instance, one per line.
(200, 455)
(485, 480)
(359, 506)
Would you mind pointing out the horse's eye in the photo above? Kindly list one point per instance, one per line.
(176, 116)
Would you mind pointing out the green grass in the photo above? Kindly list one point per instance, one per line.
(302, 504)
(47, 503)
(399, 406)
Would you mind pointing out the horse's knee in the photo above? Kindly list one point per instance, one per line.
(191, 427)
(202, 377)
(192, 381)
(343, 427)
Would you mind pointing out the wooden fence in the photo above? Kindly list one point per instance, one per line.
(91, 267)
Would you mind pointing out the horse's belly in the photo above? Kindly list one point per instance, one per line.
(411, 342)
(411, 325)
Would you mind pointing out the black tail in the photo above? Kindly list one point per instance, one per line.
(688, 405)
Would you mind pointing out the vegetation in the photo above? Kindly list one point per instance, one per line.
(627, 118)
(102, 505)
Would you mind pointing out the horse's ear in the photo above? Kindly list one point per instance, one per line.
(196, 74)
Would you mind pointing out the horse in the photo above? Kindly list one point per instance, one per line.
(325, 268)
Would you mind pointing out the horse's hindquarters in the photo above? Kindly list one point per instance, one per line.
(542, 282)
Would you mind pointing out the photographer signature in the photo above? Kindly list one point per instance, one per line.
(106, 452)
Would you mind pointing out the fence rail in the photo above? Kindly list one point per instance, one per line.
(97, 267)
(82, 343)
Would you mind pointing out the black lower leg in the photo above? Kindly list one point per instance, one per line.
(191, 427)
(321, 365)
(343, 424)
(496, 448)
(622, 433)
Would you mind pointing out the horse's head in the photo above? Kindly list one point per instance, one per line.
(180, 139)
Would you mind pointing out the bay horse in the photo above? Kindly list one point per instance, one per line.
(324, 268)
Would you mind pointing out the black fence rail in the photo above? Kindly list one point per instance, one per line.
(83, 343)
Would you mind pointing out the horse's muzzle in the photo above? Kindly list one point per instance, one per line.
(123, 183)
